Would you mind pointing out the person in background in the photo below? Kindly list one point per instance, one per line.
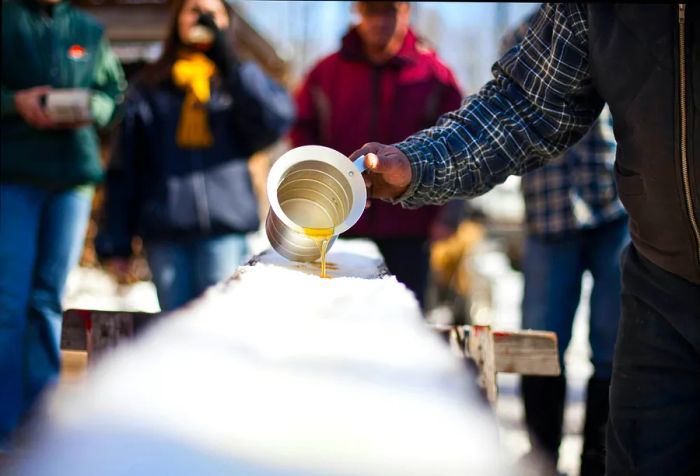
(47, 174)
(385, 83)
(179, 177)
(546, 93)
(574, 222)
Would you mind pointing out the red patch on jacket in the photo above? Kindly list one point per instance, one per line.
(76, 52)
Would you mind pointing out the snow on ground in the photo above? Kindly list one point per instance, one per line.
(92, 288)
(281, 371)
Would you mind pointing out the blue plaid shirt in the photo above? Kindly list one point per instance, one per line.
(540, 102)
(576, 190)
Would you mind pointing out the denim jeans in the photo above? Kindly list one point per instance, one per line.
(654, 424)
(182, 270)
(41, 236)
(553, 270)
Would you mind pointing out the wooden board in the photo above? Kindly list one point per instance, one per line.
(527, 352)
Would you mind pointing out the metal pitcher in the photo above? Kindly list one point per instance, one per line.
(312, 188)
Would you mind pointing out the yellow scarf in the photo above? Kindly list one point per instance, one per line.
(192, 72)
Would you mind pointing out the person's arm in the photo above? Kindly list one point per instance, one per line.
(540, 102)
(108, 88)
(262, 110)
(27, 104)
(122, 184)
(306, 126)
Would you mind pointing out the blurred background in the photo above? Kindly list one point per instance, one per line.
(475, 275)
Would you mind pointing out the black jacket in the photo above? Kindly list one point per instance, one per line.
(636, 60)
(157, 190)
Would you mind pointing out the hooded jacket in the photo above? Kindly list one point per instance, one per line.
(346, 101)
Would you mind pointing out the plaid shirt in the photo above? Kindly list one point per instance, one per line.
(576, 190)
(540, 102)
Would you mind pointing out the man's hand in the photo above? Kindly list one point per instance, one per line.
(388, 173)
(28, 104)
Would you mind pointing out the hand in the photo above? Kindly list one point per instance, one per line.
(221, 51)
(388, 173)
(29, 107)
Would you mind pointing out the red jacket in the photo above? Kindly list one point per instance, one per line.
(346, 101)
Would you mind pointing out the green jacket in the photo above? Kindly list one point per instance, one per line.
(66, 50)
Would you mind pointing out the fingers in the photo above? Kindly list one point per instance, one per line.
(390, 161)
(369, 148)
(372, 161)
(388, 171)
(29, 106)
(38, 118)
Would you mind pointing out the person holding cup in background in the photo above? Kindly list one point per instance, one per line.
(179, 175)
(50, 163)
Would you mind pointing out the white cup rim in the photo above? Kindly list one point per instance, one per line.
(326, 155)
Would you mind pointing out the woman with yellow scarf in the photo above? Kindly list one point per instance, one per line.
(179, 176)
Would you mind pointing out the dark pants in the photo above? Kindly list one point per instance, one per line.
(409, 260)
(553, 270)
(654, 424)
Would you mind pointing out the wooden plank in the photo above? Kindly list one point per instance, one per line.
(107, 330)
(73, 365)
(481, 349)
(74, 329)
(94, 331)
(527, 352)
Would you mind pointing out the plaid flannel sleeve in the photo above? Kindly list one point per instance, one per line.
(540, 102)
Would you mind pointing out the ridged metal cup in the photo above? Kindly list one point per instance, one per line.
(312, 187)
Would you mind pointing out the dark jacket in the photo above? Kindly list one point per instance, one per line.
(66, 50)
(636, 67)
(158, 190)
(347, 101)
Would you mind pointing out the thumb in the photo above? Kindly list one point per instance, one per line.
(372, 162)
(386, 161)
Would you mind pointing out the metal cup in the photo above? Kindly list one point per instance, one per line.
(312, 187)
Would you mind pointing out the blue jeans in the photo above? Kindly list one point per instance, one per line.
(553, 270)
(182, 270)
(41, 236)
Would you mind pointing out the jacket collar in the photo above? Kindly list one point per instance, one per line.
(351, 49)
(37, 7)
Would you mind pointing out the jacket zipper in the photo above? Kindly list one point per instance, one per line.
(684, 136)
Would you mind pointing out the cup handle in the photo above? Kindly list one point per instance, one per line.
(360, 163)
